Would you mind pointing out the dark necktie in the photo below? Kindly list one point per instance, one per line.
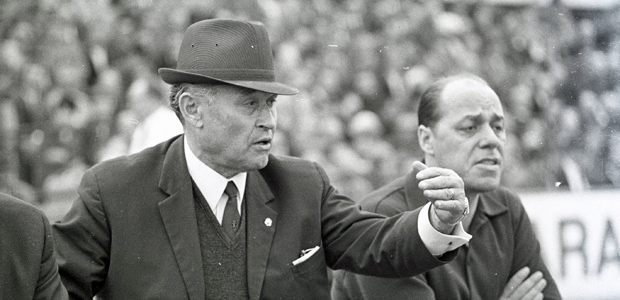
(230, 220)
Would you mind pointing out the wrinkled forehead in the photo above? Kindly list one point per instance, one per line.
(466, 96)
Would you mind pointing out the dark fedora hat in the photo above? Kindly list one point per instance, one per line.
(228, 51)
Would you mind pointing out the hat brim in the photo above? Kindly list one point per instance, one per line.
(173, 76)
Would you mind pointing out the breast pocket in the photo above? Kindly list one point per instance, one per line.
(313, 263)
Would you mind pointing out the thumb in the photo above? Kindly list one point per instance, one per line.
(418, 166)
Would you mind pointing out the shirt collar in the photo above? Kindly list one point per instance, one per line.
(491, 203)
(210, 183)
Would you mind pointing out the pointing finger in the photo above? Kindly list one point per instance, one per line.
(434, 172)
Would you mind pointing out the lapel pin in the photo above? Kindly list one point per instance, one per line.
(268, 222)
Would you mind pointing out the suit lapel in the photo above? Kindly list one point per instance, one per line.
(179, 217)
(261, 228)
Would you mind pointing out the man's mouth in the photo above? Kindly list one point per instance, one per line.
(263, 142)
(489, 161)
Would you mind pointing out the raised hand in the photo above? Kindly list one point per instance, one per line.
(445, 189)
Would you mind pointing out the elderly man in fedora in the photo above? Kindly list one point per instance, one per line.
(211, 214)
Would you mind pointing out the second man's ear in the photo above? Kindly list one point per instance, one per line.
(190, 109)
(425, 138)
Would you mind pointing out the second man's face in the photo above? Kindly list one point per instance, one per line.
(469, 136)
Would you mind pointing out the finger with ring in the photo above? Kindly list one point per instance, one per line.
(466, 210)
(450, 194)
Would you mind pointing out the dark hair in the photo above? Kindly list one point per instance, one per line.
(428, 112)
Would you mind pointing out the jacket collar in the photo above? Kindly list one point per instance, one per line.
(179, 218)
(174, 173)
(491, 206)
(261, 229)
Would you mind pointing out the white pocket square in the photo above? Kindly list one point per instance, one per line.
(305, 254)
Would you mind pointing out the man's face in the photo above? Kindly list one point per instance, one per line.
(238, 127)
(469, 136)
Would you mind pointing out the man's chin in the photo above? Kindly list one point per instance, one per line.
(482, 185)
(260, 163)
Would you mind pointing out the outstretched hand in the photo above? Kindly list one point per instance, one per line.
(446, 190)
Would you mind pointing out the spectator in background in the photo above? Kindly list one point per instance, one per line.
(461, 127)
(10, 181)
(367, 135)
(156, 122)
(611, 100)
(27, 260)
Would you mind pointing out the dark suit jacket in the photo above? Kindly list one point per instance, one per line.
(132, 232)
(503, 242)
(27, 263)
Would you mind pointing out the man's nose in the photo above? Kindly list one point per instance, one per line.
(266, 117)
(489, 137)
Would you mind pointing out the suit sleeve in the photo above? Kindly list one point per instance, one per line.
(349, 286)
(82, 241)
(527, 250)
(49, 285)
(371, 244)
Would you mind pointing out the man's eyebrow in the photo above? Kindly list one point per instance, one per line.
(247, 91)
(473, 117)
(479, 117)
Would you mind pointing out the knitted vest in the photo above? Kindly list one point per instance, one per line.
(223, 259)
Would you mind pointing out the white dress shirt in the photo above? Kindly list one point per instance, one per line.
(211, 184)
(436, 242)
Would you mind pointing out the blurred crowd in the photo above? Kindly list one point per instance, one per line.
(68, 67)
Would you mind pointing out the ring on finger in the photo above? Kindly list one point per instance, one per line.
(466, 210)
(450, 194)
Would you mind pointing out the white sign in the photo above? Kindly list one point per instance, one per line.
(580, 240)
(592, 4)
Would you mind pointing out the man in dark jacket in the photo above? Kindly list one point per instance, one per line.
(461, 127)
(211, 214)
(27, 260)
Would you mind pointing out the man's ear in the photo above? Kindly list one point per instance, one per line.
(190, 108)
(425, 139)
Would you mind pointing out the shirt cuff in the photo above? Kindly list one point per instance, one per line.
(436, 242)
